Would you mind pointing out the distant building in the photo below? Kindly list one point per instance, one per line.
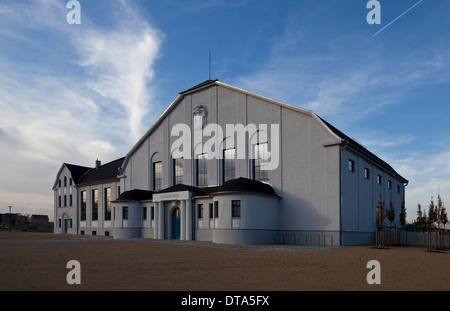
(39, 221)
(14, 220)
(323, 191)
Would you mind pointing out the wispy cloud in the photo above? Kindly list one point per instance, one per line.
(120, 64)
(69, 93)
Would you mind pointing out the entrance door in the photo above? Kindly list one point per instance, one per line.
(66, 225)
(176, 224)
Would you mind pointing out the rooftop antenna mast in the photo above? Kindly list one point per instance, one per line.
(209, 64)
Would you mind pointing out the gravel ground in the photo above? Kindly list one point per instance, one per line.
(37, 262)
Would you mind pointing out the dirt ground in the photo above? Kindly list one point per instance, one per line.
(37, 262)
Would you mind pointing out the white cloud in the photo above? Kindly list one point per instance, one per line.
(120, 67)
(69, 93)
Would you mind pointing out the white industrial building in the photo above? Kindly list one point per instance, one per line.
(283, 176)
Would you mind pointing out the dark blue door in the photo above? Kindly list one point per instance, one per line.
(66, 225)
(176, 224)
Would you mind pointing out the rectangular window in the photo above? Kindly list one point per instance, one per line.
(398, 188)
(211, 210)
(95, 204)
(107, 201)
(157, 176)
(59, 201)
(124, 212)
(229, 165)
(389, 185)
(216, 209)
(83, 205)
(144, 213)
(200, 210)
(351, 165)
(366, 173)
(65, 200)
(236, 208)
(178, 171)
(379, 179)
(261, 162)
(118, 191)
(202, 170)
(152, 212)
(70, 200)
(70, 181)
(59, 183)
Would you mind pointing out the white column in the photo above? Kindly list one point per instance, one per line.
(161, 220)
(188, 220)
(156, 221)
(183, 220)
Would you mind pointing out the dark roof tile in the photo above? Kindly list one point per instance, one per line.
(134, 195)
(103, 173)
(77, 171)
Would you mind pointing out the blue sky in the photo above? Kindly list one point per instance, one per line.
(75, 93)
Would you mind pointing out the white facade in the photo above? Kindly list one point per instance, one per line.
(66, 198)
(310, 197)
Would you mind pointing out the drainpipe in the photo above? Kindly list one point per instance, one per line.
(344, 144)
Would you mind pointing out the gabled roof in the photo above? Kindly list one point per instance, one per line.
(199, 86)
(103, 173)
(206, 84)
(76, 171)
(338, 136)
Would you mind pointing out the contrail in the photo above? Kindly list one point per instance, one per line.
(397, 18)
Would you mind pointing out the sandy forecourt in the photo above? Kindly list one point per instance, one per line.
(37, 262)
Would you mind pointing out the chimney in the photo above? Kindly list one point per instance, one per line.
(98, 163)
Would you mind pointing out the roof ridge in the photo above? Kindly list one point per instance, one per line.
(203, 84)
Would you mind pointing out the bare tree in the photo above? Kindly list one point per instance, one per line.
(381, 215)
(381, 211)
(390, 213)
(402, 216)
(441, 213)
(432, 216)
